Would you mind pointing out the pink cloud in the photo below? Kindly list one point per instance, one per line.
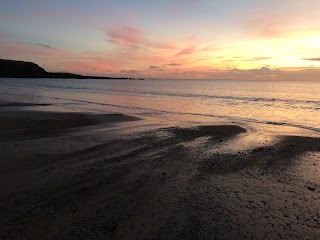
(58, 60)
(126, 36)
(191, 50)
(265, 20)
(134, 37)
(193, 41)
(192, 44)
(270, 26)
(163, 45)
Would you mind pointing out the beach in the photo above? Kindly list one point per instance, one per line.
(160, 120)
(71, 175)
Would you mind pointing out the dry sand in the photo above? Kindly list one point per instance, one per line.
(62, 179)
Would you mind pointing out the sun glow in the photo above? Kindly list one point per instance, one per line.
(148, 45)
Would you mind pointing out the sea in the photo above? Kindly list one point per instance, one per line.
(293, 104)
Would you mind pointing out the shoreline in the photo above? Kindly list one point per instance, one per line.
(65, 103)
(77, 175)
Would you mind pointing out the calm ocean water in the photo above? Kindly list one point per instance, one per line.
(289, 103)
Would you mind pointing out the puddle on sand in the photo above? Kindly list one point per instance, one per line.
(245, 142)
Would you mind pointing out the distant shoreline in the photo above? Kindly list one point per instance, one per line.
(21, 69)
(57, 76)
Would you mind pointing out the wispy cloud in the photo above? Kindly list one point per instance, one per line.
(125, 36)
(269, 25)
(132, 71)
(312, 59)
(263, 73)
(173, 64)
(44, 45)
(153, 67)
(20, 49)
(186, 51)
(261, 58)
(134, 37)
(156, 68)
(254, 59)
(192, 45)
(162, 45)
(265, 20)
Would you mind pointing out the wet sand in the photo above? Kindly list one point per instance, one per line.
(73, 176)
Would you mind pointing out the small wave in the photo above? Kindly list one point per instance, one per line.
(253, 120)
(105, 89)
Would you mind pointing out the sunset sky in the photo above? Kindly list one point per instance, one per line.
(210, 39)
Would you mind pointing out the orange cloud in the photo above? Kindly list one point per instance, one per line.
(186, 51)
(191, 50)
(256, 59)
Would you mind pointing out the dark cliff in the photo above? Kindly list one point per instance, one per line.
(21, 69)
(18, 69)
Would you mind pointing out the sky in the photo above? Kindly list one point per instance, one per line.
(188, 39)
